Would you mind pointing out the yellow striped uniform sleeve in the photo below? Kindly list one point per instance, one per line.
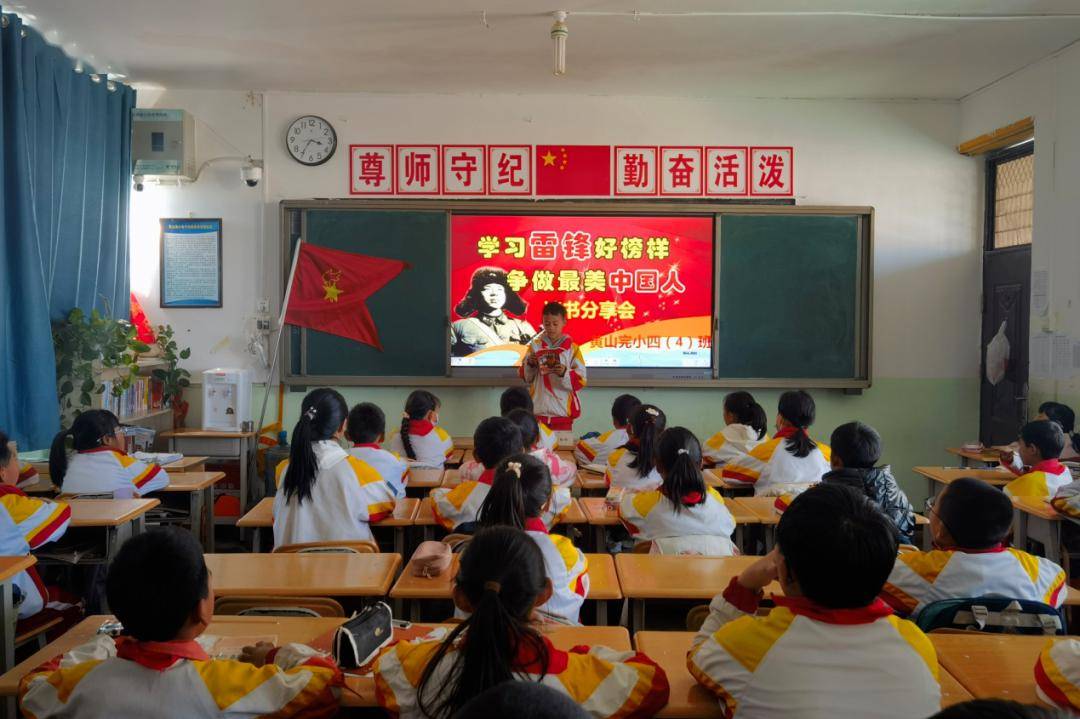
(38, 520)
(1057, 674)
(279, 472)
(238, 688)
(748, 467)
(918, 642)
(1047, 578)
(146, 477)
(1067, 500)
(911, 582)
(585, 451)
(577, 566)
(46, 693)
(608, 683)
(446, 442)
(448, 504)
(1032, 484)
(376, 496)
(560, 505)
(397, 674)
(634, 509)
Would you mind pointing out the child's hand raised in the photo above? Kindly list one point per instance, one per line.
(257, 654)
(759, 574)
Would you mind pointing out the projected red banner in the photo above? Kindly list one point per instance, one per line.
(637, 290)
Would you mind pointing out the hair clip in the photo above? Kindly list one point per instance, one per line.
(492, 586)
(311, 412)
(514, 467)
(683, 450)
(652, 411)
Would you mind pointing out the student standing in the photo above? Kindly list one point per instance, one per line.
(555, 371)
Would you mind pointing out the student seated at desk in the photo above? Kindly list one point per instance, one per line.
(324, 493)
(159, 589)
(99, 464)
(420, 438)
(500, 583)
(495, 439)
(683, 516)
(970, 522)
(790, 460)
(25, 524)
(1041, 443)
(594, 447)
(632, 467)
(830, 648)
(366, 428)
(745, 426)
(997, 709)
(28, 476)
(562, 472)
(519, 398)
(1064, 417)
(519, 496)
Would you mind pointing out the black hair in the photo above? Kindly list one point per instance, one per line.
(515, 398)
(622, 408)
(156, 582)
(494, 439)
(473, 301)
(797, 407)
(1065, 417)
(522, 700)
(837, 545)
(678, 459)
(998, 709)
(417, 405)
(646, 424)
(366, 423)
(513, 499)
(322, 413)
(1046, 436)
(747, 411)
(501, 573)
(5, 449)
(857, 445)
(526, 423)
(976, 514)
(89, 431)
(554, 308)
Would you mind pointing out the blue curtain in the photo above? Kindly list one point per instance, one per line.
(65, 177)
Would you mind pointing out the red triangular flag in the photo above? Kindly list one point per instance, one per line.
(329, 290)
(144, 331)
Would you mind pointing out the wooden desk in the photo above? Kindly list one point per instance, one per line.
(451, 478)
(600, 516)
(9, 568)
(455, 458)
(567, 455)
(937, 477)
(657, 576)
(591, 483)
(986, 457)
(261, 517)
(992, 666)
(120, 518)
(303, 575)
(184, 464)
(1034, 518)
(231, 446)
(714, 478)
(422, 479)
(465, 443)
(199, 487)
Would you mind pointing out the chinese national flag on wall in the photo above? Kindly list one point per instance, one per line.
(330, 287)
(573, 170)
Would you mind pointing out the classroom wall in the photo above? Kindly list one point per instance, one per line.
(895, 156)
(1048, 91)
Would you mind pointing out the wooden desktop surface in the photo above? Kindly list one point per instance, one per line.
(298, 574)
(658, 576)
(108, 512)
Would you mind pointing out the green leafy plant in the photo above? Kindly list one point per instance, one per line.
(86, 344)
(173, 377)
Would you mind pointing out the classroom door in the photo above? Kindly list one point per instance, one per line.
(1006, 298)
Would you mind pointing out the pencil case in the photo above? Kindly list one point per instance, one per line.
(357, 641)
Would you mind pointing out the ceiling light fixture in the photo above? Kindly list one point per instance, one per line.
(558, 35)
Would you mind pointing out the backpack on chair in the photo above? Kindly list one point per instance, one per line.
(994, 615)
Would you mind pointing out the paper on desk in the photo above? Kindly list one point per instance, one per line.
(221, 647)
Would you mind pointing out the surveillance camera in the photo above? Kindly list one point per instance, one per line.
(138, 183)
(252, 174)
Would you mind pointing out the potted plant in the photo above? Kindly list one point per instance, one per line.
(173, 377)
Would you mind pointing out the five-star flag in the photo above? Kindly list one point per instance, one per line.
(330, 287)
(566, 170)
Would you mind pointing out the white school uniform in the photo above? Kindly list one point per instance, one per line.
(730, 443)
(562, 473)
(431, 444)
(703, 528)
(620, 475)
(548, 440)
(347, 495)
(109, 471)
(772, 470)
(26, 524)
(597, 450)
(1043, 480)
(454, 506)
(565, 566)
(392, 468)
(552, 395)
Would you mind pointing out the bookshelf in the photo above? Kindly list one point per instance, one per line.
(138, 405)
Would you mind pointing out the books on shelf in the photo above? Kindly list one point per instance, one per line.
(145, 395)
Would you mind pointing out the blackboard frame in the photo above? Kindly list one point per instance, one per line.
(861, 379)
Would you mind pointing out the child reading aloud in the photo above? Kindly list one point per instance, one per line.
(555, 371)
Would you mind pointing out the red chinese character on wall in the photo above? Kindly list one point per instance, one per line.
(771, 170)
(620, 281)
(543, 245)
(577, 246)
(417, 169)
(681, 170)
(646, 280)
(510, 167)
(636, 171)
(463, 166)
(725, 171)
(672, 283)
(771, 167)
(371, 169)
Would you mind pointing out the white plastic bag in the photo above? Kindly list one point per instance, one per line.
(997, 356)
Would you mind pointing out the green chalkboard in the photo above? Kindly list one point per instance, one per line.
(791, 296)
(409, 312)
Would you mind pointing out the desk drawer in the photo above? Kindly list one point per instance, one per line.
(208, 446)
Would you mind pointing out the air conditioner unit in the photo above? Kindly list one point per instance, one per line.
(162, 144)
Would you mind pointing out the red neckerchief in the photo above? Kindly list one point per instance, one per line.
(996, 549)
(858, 615)
(1053, 466)
(692, 498)
(158, 655)
(563, 343)
(11, 489)
(486, 477)
(369, 445)
(788, 432)
(95, 450)
(535, 524)
(420, 427)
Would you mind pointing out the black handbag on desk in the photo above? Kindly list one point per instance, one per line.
(357, 641)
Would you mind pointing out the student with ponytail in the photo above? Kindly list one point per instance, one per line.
(99, 464)
(500, 582)
(790, 461)
(519, 495)
(745, 427)
(519, 398)
(683, 516)
(562, 472)
(594, 447)
(633, 466)
(420, 438)
(324, 493)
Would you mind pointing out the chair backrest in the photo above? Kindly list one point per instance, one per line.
(643, 548)
(279, 606)
(996, 615)
(340, 546)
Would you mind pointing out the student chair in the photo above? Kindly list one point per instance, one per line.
(642, 548)
(994, 615)
(264, 606)
(340, 546)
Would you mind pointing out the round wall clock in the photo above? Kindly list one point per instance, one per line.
(311, 140)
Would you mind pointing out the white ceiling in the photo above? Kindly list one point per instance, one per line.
(422, 46)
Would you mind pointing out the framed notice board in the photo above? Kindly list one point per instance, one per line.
(190, 262)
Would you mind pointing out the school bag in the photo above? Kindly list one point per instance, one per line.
(995, 615)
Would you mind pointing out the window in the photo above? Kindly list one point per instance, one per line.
(1010, 182)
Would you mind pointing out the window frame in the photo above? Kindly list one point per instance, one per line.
(993, 160)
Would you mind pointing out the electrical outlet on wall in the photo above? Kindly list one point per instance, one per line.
(262, 305)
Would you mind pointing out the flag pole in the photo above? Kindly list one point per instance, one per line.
(277, 349)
